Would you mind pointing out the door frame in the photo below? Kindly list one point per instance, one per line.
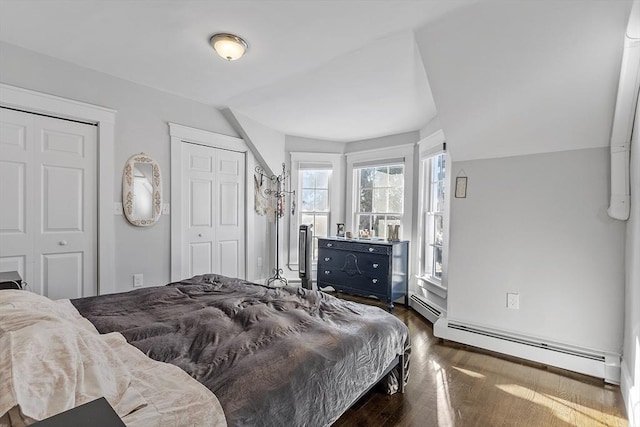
(42, 103)
(179, 135)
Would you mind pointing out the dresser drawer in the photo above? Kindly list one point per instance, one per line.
(340, 279)
(331, 257)
(353, 246)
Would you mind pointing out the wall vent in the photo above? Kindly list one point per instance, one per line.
(429, 311)
(518, 340)
(600, 364)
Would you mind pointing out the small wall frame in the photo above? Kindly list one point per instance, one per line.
(461, 187)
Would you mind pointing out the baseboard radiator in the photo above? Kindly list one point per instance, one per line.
(428, 310)
(595, 363)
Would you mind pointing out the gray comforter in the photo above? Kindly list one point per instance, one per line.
(284, 356)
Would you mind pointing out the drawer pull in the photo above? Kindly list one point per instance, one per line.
(370, 249)
(329, 245)
(375, 265)
(327, 272)
(374, 280)
(327, 258)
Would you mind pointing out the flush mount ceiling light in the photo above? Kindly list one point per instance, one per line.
(228, 46)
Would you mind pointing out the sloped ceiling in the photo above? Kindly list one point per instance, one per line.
(512, 78)
(329, 69)
(504, 77)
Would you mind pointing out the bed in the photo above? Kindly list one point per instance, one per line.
(270, 356)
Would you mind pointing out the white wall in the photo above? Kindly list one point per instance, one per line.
(312, 145)
(141, 125)
(266, 144)
(382, 142)
(523, 77)
(537, 225)
(630, 384)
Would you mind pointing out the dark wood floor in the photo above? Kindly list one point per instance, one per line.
(455, 385)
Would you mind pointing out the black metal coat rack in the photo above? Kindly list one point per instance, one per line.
(279, 194)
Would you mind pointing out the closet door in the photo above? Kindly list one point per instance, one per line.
(229, 255)
(48, 187)
(17, 201)
(213, 212)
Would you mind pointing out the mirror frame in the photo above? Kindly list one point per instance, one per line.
(127, 190)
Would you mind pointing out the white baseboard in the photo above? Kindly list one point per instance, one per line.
(630, 394)
(600, 364)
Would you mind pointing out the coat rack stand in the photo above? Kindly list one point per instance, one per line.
(279, 194)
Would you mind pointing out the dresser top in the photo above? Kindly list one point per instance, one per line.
(374, 241)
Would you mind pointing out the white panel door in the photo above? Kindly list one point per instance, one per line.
(199, 209)
(55, 204)
(213, 212)
(17, 178)
(230, 177)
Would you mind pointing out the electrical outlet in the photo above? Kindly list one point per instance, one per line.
(138, 280)
(166, 209)
(259, 261)
(513, 301)
(117, 208)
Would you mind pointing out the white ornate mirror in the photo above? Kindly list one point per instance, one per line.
(142, 190)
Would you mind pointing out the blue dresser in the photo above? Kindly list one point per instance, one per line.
(365, 267)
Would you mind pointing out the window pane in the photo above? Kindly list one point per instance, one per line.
(395, 199)
(322, 179)
(364, 222)
(306, 220)
(437, 264)
(308, 179)
(440, 197)
(430, 226)
(380, 177)
(396, 176)
(380, 199)
(320, 227)
(439, 230)
(441, 167)
(365, 200)
(366, 177)
(307, 200)
(322, 200)
(429, 260)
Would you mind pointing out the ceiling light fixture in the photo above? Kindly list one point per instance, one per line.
(228, 46)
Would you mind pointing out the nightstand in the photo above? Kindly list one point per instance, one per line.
(10, 280)
(97, 413)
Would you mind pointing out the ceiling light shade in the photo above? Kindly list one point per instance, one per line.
(228, 46)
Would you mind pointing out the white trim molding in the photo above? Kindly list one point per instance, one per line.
(180, 134)
(631, 394)
(104, 118)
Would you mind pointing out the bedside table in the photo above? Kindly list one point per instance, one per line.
(97, 413)
(10, 280)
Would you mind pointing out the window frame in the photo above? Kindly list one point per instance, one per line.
(381, 156)
(314, 213)
(333, 162)
(371, 214)
(430, 148)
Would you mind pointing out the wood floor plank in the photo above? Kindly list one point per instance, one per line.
(455, 385)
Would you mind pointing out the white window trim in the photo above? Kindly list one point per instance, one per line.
(382, 154)
(334, 160)
(429, 147)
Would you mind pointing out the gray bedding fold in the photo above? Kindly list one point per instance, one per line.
(284, 356)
